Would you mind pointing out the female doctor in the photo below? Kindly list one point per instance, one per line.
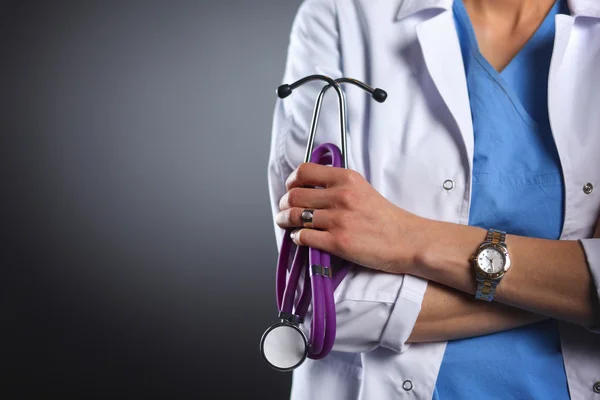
(490, 135)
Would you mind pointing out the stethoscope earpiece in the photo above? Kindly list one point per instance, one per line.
(284, 91)
(379, 95)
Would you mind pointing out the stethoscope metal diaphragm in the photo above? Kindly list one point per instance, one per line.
(284, 346)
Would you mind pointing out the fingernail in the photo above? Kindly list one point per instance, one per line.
(294, 234)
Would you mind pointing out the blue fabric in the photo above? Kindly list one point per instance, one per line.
(518, 188)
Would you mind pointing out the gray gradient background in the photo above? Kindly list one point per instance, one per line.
(137, 249)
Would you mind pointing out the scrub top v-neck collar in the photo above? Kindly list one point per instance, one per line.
(506, 78)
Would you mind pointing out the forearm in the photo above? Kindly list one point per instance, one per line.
(547, 277)
(448, 314)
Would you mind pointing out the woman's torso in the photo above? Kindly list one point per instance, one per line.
(422, 137)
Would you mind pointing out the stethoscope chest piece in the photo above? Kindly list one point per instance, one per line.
(284, 346)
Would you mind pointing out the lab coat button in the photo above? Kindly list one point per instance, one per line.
(588, 188)
(407, 385)
(448, 184)
(597, 387)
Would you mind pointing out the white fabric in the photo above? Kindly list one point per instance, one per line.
(406, 148)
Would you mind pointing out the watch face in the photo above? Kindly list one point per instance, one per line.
(491, 261)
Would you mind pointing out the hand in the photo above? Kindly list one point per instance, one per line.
(351, 220)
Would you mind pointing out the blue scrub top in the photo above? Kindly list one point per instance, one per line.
(518, 188)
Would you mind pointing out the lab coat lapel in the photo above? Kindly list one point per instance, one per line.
(587, 8)
(559, 121)
(443, 58)
(406, 8)
(573, 98)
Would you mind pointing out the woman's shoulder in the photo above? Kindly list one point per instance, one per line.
(331, 10)
(319, 11)
(346, 15)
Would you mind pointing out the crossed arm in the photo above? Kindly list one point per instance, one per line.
(550, 279)
(448, 314)
(390, 239)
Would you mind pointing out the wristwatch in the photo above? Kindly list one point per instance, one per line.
(490, 262)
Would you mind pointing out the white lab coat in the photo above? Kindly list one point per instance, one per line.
(407, 148)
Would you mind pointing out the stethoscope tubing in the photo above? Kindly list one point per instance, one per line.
(320, 288)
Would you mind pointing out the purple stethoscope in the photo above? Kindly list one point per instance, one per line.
(284, 346)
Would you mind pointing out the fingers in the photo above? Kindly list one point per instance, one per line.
(311, 174)
(291, 218)
(315, 239)
(305, 198)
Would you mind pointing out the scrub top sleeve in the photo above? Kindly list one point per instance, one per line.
(591, 248)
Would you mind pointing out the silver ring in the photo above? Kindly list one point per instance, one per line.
(307, 218)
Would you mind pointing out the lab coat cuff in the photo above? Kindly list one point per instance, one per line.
(404, 314)
(591, 247)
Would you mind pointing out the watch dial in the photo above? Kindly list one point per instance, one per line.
(491, 261)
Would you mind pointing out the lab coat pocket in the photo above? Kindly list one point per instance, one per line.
(338, 376)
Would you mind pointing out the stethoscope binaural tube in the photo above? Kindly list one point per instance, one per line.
(285, 90)
(284, 346)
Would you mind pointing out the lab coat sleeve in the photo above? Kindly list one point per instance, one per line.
(373, 308)
(591, 247)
